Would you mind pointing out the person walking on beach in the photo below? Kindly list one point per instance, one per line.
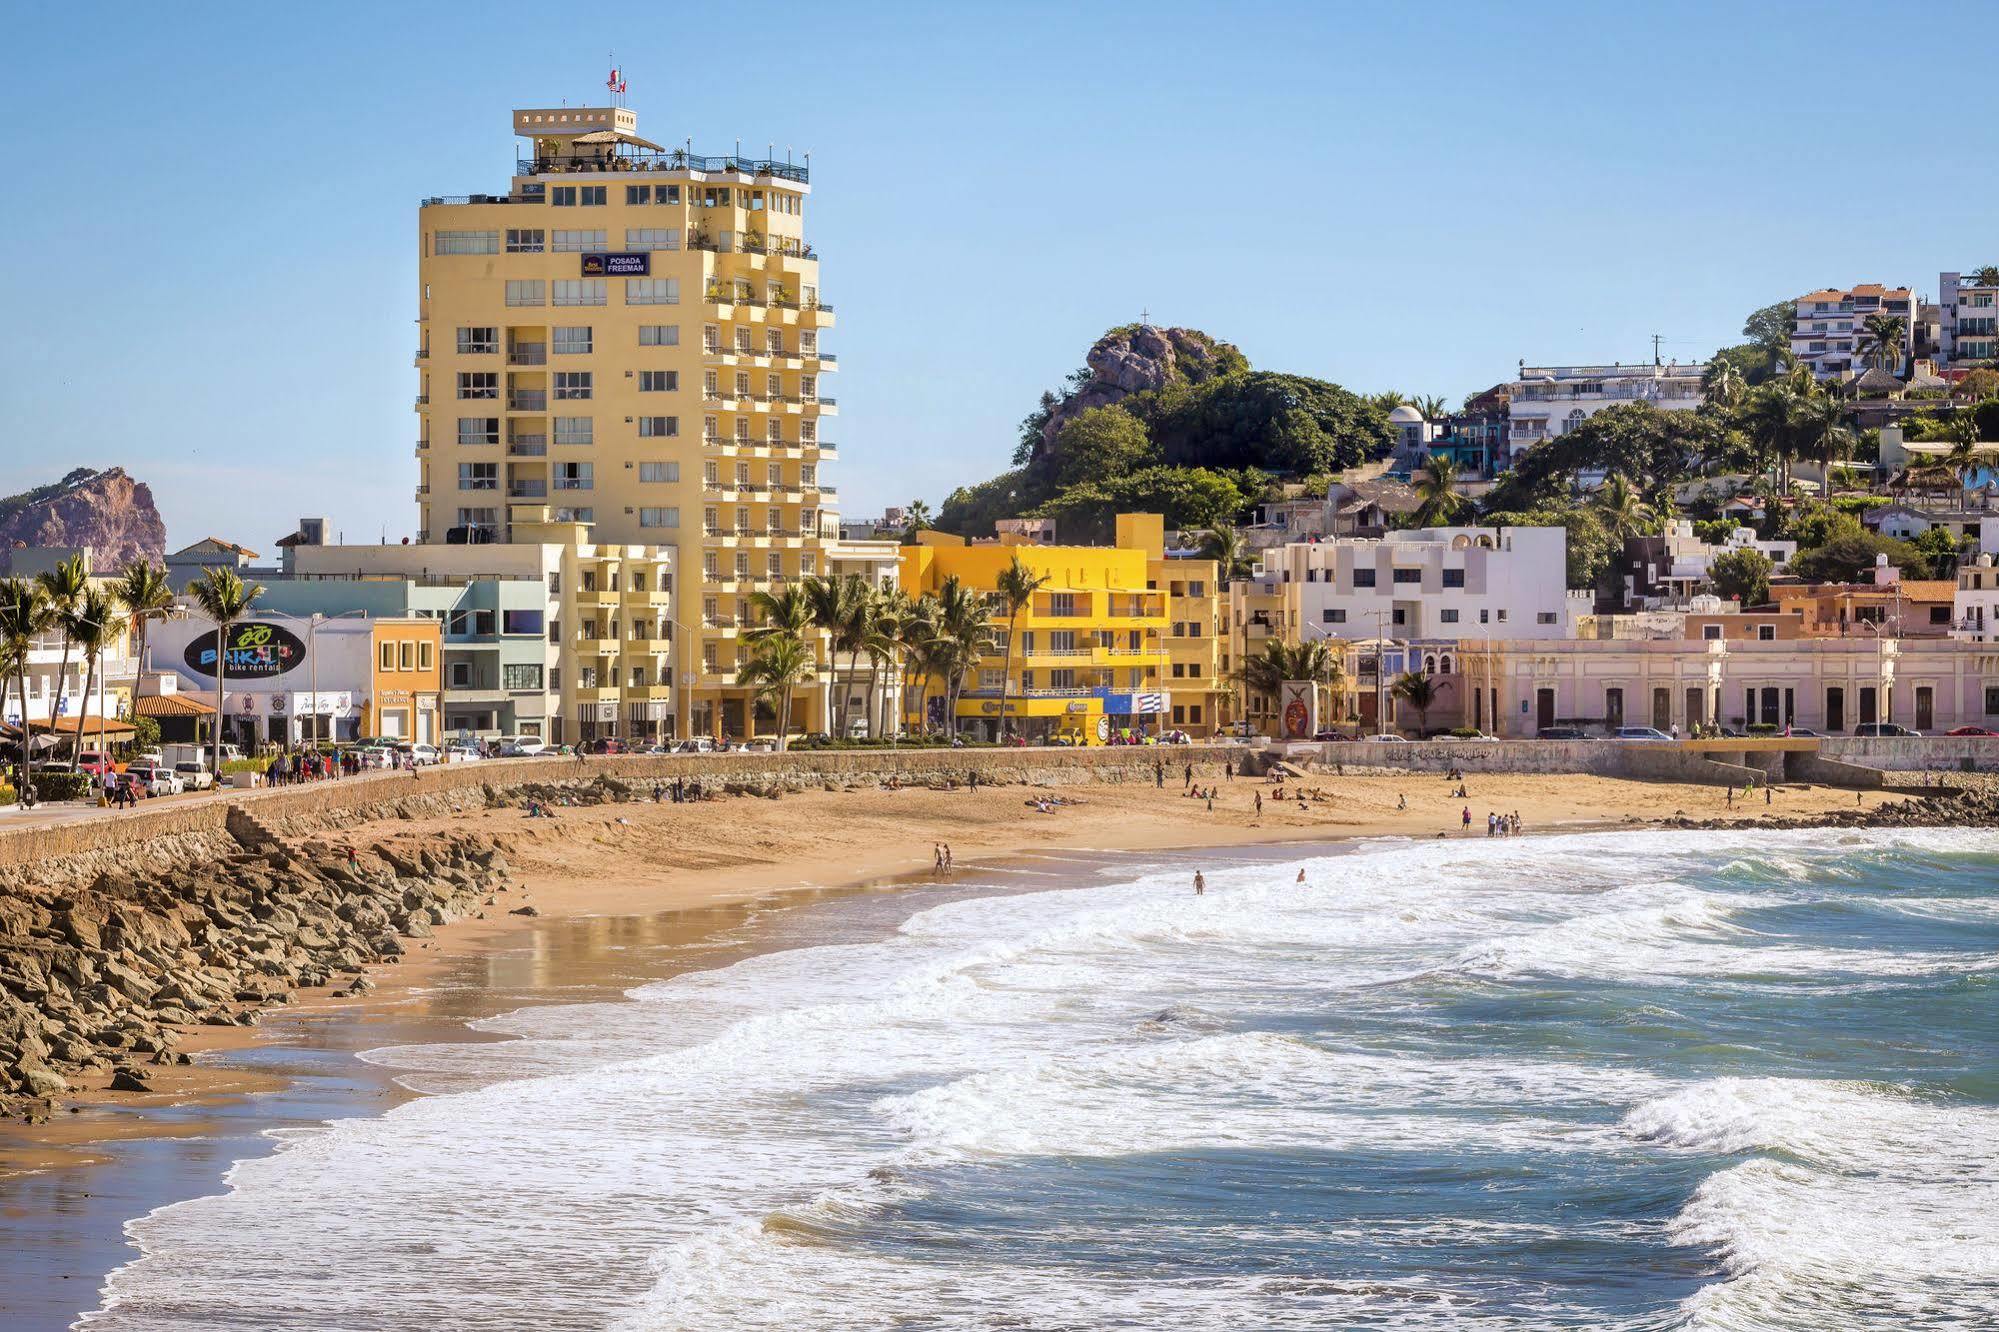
(1190, 776)
(1259, 804)
(1211, 800)
(1401, 802)
(1200, 883)
(1159, 774)
(1228, 769)
(947, 855)
(1767, 790)
(1464, 823)
(937, 850)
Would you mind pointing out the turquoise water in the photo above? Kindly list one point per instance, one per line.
(1638, 1081)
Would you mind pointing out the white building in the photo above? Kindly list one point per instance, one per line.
(1967, 333)
(1829, 327)
(863, 689)
(1974, 612)
(1433, 582)
(1551, 400)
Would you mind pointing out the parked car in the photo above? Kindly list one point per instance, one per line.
(1803, 733)
(424, 755)
(1390, 739)
(95, 762)
(1561, 733)
(1641, 733)
(1329, 736)
(762, 745)
(194, 776)
(1973, 731)
(153, 779)
(373, 756)
(609, 744)
(520, 749)
(1884, 729)
(699, 744)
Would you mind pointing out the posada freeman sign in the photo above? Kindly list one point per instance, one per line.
(253, 649)
(618, 265)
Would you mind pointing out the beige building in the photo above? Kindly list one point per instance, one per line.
(630, 336)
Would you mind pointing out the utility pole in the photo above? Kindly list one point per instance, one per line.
(1656, 340)
(1380, 670)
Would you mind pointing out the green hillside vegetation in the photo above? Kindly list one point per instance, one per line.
(1201, 448)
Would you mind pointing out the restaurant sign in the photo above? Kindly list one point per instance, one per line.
(252, 650)
(618, 265)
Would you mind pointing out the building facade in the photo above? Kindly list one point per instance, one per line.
(1091, 655)
(1546, 402)
(1829, 328)
(1196, 612)
(1967, 321)
(630, 336)
(1432, 582)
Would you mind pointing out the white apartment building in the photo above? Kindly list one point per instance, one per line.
(1547, 401)
(1966, 333)
(1829, 327)
(1974, 612)
(1432, 582)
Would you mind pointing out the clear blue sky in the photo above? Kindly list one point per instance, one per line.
(211, 270)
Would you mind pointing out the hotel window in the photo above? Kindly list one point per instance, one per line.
(572, 341)
(460, 675)
(1334, 615)
(646, 239)
(652, 291)
(808, 432)
(478, 476)
(593, 196)
(406, 654)
(515, 675)
(711, 338)
(1363, 578)
(659, 335)
(478, 430)
(742, 385)
(1448, 615)
(478, 517)
(638, 194)
(743, 341)
(578, 242)
(666, 472)
(1408, 575)
(774, 342)
(659, 381)
(666, 194)
(527, 241)
(774, 476)
(388, 662)
(773, 387)
(1454, 578)
(659, 427)
(808, 388)
(585, 515)
(478, 341)
(562, 196)
(774, 565)
(774, 431)
(1544, 617)
(573, 430)
(467, 242)
(808, 342)
(572, 383)
(808, 296)
(580, 291)
(478, 384)
(711, 565)
(743, 429)
(669, 517)
(527, 291)
(423, 657)
(573, 476)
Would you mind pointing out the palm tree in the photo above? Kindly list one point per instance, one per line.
(24, 613)
(224, 598)
(145, 592)
(1622, 508)
(1823, 433)
(778, 664)
(1016, 585)
(965, 623)
(1725, 385)
(1883, 347)
(918, 517)
(786, 611)
(1419, 691)
(1963, 456)
(1264, 673)
(63, 587)
(878, 635)
(1436, 486)
(94, 626)
(1433, 407)
(1988, 276)
(916, 631)
(839, 606)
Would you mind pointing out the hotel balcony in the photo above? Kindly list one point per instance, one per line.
(647, 596)
(528, 400)
(527, 446)
(587, 645)
(649, 647)
(528, 353)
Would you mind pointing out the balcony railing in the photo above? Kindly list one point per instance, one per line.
(528, 353)
(527, 490)
(528, 446)
(528, 400)
(637, 160)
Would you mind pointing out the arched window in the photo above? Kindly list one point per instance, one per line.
(1574, 419)
(1444, 665)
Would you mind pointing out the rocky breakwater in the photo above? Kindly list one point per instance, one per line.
(101, 981)
(1945, 809)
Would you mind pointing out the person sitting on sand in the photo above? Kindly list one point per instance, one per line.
(1401, 802)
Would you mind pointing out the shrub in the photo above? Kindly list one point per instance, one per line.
(61, 785)
(1763, 728)
(1466, 732)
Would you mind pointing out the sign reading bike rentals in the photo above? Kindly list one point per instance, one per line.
(253, 650)
(618, 265)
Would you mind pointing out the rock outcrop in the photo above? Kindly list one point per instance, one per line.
(107, 511)
(1139, 359)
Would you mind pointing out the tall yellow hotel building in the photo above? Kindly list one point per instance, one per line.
(628, 338)
(1121, 641)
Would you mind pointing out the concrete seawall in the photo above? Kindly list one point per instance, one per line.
(1834, 762)
(193, 827)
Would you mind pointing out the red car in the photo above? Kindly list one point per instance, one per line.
(1974, 730)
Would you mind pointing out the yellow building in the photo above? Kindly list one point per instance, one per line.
(1196, 613)
(1260, 610)
(630, 335)
(407, 683)
(1092, 652)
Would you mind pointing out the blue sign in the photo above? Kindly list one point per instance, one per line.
(618, 265)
